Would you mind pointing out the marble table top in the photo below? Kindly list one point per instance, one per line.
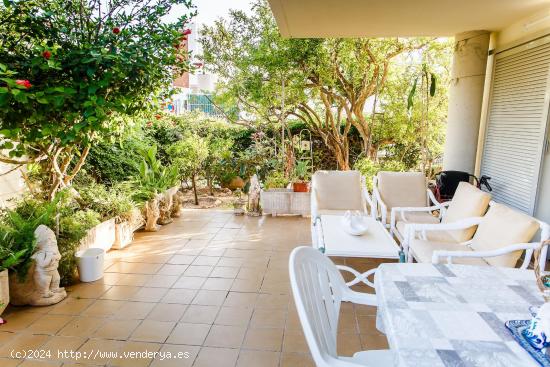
(453, 315)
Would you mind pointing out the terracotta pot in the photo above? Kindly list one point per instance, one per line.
(4, 290)
(235, 183)
(300, 186)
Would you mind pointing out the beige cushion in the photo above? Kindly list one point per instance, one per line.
(438, 236)
(468, 201)
(423, 251)
(331, 212)
(337, 190)
(502, 227)
(402, 189)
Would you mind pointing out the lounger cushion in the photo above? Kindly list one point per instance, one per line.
(437, 236)
(423, 252)
(338, 190)
(502, 227)
(468, 201)
(403, 189)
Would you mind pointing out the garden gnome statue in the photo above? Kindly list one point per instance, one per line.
(254, 197)
(41, 286)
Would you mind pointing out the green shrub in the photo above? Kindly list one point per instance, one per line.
(72, 229)
(153, 177)
(276, 180)
(17, 228)
(109, 202)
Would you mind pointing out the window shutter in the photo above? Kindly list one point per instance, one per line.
(516, 124)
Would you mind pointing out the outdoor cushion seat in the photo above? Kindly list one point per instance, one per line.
(468, 202)
(501, 227)
(443, 236)
(402, 189)
(423, 251)
(338, 190)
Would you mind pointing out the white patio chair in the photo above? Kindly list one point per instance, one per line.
(398, 190)
(502, 235)
(318, 289)
(335, 192)
(468, 202)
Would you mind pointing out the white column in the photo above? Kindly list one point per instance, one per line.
(465, 100)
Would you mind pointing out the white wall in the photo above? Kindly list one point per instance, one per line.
(11, 185)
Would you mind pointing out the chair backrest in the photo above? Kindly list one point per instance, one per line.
(337, 190)
(468, 202)
(501, 227)
(402, 189)
(317, 288)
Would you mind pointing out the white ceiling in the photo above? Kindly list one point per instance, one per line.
(389, 18)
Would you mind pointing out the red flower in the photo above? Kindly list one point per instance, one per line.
(186, 32)
(198, 64)
(116, 30)
(46, 54)
(158, 117)
(25, 83)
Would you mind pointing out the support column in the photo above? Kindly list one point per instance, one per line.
(465, 100)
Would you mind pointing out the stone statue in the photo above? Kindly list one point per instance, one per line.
(177, 204)
(253, 205)
(152, 214)
(41, 285)
(165, 206)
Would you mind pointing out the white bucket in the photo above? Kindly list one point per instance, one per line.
(90, 264)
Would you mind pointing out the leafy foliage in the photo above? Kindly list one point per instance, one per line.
(153, 177)
(83, 66)
(276, 180)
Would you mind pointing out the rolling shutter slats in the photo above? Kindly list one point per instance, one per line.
(516, 124)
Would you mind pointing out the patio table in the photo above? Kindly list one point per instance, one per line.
(377, 243)
(453, 315)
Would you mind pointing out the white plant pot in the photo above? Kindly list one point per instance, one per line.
(4, 290)
(90, 264)
(101, 236)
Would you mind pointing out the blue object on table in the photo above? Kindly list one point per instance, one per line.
(517, 327)
(402, 256)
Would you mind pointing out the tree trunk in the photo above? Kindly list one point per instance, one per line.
(210, 186)
(195, 189)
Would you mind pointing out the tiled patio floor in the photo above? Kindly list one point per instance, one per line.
(210, 284)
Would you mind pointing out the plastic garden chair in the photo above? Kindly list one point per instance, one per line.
(318, 289)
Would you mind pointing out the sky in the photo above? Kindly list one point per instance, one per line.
(210, 10)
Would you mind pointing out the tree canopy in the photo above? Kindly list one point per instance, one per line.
(71, 71)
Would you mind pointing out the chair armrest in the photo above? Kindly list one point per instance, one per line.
(412, 228)
(461, 224)
(366, 299)
(383, 207)
(432, 198)
(395, 211)
(370, 202)
(529, 247)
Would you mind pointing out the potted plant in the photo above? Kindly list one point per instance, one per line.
(153, 180)
(8, 259)
(301, 177)
(276, 180)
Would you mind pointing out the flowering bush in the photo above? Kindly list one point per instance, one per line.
(65, 79)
